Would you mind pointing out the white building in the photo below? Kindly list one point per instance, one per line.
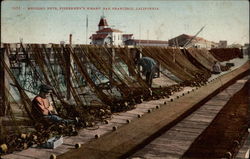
(107, 36)
(222, 44)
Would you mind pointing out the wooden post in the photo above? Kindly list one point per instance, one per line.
(68, 60)
(68, 75)
(174, 57)
(3, 105)
(139, 55)
(134, 56)
(4, 83)
(131, 57)
(158, 69)
(112, 59)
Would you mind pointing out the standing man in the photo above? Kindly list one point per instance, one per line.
(41, 107)
(148, 68)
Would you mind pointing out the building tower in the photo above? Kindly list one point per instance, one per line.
(103, 23)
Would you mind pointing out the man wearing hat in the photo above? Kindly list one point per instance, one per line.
(42, 108)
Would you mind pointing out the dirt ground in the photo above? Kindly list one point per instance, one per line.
(225, 135)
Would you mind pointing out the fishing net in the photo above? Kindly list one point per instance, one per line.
(225, 54)
(90, 82)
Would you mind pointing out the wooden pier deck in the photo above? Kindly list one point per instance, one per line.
(176, 141)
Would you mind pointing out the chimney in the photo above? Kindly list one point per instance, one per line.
(70, 39)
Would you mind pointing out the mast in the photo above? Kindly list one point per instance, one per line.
(87, 29)
(193, 37)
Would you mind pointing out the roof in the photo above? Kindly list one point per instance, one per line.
(182, 39)
(186, 36)
(127, 35)
(149, 41)
(106, 30)
(98, 36)
(103, 22)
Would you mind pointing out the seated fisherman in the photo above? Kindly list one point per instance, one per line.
(216, 68)
(41, 107)
(148, 68)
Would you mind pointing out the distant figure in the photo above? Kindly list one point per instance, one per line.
(148, 68)
(42, 109)
(216, 68)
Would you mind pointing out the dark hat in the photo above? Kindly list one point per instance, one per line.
(45, 88)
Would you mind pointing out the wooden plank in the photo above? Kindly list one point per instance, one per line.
(32, 153)
(149, 154)
(76, 139)
(214, 102)
(119, 121)
(211, 108)
(184, 136)
(201, 116)
(121, 116)
(15, 156)
(244, 149)
(190, 124)
(145, 106)
(127, 114)
(208, 120)
(187, 129)
(174, 148)
(136, 112)
(208, 113)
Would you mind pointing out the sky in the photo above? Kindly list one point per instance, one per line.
(53, 21)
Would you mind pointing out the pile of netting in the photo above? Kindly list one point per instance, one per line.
(90, 82)
(225, 54)
(203, 56)
(179, 64)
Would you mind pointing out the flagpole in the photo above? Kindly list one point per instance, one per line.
(87, 29)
